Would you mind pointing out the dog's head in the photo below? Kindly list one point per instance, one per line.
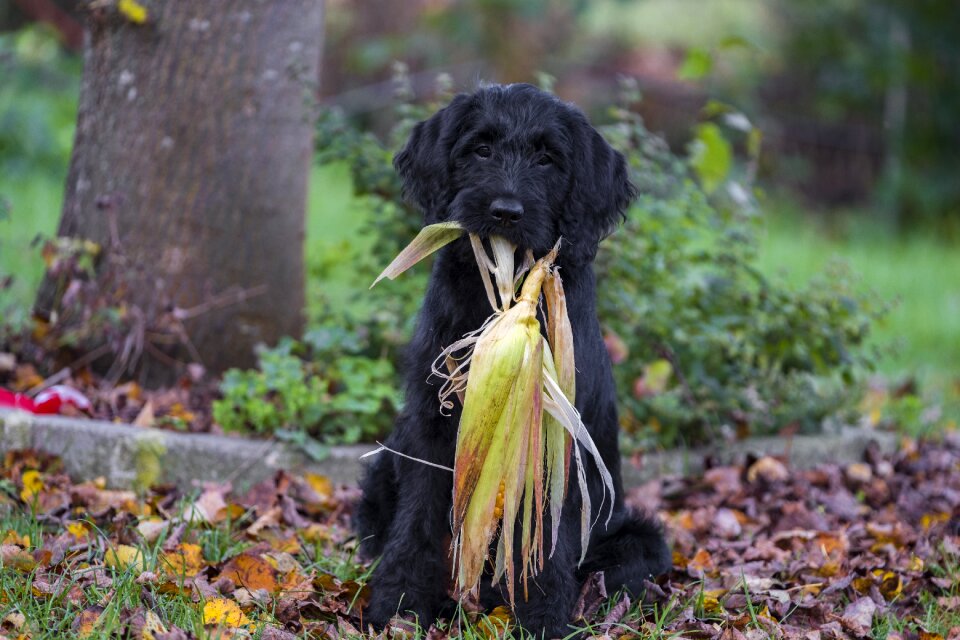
(516, 161)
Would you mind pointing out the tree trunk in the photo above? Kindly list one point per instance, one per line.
(191, 158)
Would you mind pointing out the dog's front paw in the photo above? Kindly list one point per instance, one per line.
(383, 608)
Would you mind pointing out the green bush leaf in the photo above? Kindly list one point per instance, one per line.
(697, 64)
(710, 156)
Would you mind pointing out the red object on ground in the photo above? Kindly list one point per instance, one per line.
(16, 401)
(47, 402)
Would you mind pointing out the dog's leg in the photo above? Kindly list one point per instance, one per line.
(631, 551)
(377, 507)
(413, 573)
(547, 608)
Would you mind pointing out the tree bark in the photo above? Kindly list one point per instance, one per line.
(192, 155)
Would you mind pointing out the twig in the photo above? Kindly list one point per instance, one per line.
(89, 357)
(56, 378)
(225, 299)
(403, 455)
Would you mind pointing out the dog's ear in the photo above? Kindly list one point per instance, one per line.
(600, 192)
(424, 162)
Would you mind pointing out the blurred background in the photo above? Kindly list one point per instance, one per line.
(850, 150)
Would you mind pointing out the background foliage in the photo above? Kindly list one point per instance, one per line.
(721, 313)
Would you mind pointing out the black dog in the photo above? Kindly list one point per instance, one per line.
(518, 162)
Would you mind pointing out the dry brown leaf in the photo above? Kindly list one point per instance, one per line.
(210, 507)
(769, 470)
(147, 416)
(16, 558)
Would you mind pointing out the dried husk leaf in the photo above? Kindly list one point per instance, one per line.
(503, 252)
(559, 443)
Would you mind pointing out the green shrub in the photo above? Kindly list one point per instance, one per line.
(704, 344)
(313, 393)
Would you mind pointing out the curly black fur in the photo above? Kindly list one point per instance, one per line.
(514, 161)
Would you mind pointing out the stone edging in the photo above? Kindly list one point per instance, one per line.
(122, 454)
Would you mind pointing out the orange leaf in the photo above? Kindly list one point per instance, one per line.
(251, 572)
(701, 561)
(184, 561)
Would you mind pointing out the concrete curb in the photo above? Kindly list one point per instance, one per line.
(126, 455)
(802, 451)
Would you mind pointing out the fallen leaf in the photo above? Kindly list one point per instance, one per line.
(132, 11)
(210, 507)
(15, 619)
(223, 612)
(32, 483)
(78, 530)
(251, 572)
(146, 417)
(858, 615)
(151, 528)
(320, 484)
(12, 537)
(124, 557)
(186, 560)
(16, 558)
(768, 469)
(86, 621)
(890, 585)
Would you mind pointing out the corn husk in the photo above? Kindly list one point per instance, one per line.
(517, 429)
(515, 441)
(430, 239)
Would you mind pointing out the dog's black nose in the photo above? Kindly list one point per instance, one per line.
(506, 210)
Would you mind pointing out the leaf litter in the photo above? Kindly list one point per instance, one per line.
(830, 552)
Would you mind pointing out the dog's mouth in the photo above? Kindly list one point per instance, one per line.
(525, 235)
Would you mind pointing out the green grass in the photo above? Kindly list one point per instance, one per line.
(34, 210)
(335, 218)
(918, 273)
(681, 23)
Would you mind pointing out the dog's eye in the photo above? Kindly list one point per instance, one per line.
(483, 151)
(544, 160)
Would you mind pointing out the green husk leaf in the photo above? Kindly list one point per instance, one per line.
(476, 482)
(430, 239)
(498, 362)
